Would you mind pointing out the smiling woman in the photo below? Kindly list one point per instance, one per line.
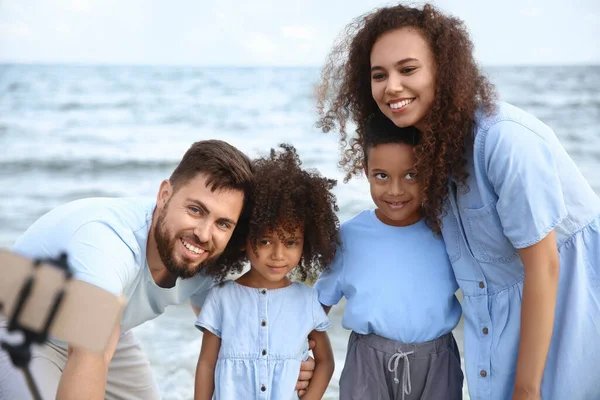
(520, 223)
(403, 89)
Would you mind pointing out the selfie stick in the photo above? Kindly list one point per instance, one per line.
(20, 354)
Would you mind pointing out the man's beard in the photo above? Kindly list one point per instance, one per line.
(165, 243)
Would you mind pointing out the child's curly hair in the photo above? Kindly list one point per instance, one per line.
(345, 93)
(286, 197)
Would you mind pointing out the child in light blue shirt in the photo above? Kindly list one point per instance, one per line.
(256, 329)
(398, 282)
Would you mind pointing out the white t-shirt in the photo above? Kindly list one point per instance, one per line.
(105, 240)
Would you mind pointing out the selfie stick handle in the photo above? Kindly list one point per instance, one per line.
(20, 354)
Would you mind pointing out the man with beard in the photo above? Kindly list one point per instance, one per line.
(152, 251)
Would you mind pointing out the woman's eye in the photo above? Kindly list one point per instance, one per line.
(410, 176)
(380, 175)
(378, 76)
(408, 70)
(264, 242)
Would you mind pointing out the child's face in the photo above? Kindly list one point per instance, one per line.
(276, 256)
(394, 189)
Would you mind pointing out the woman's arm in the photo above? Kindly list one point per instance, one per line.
(541, 264)
(205, 370)
(324, 366)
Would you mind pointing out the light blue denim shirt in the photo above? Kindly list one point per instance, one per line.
(264, 338)
(522, 184)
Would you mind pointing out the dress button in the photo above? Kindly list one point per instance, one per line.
(483, 373)
(485, 331)
(264, 352)
(481, 285)
(263, 388)
(263, 323)
(263, 291)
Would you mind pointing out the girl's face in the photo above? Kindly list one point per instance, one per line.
(394, 189)
(403, 76)
(275, 257)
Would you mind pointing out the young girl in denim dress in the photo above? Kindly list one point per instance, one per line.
(256, 329)
(520, 222)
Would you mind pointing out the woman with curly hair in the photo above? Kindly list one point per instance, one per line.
(256, 328)
(520, 223)
(401, 345)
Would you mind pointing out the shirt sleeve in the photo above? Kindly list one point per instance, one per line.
(329, 285)
(98, 255)
(210, 317)
(320, 321)
(199, 296)
(521, 167)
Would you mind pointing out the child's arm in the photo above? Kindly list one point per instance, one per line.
(205, 370)
(324, 366)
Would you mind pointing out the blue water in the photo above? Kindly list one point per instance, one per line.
(68, 132)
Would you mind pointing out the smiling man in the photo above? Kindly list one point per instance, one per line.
(150, 250)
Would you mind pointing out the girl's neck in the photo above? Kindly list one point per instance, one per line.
(254, 279)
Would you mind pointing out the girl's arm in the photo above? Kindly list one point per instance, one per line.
(541, 264)
(324, 365)
(205, 370)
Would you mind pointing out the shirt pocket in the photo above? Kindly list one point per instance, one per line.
(485, 236)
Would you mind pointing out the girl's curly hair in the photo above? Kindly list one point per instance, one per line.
(286, 197)
(344, 93)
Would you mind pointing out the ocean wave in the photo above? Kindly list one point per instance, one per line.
(75, 166)
(76, 106)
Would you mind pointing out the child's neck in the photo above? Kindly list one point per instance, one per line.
(254, 279)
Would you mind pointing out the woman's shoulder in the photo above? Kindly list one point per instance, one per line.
(505, 116)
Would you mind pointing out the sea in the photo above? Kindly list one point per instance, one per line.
(74, 131)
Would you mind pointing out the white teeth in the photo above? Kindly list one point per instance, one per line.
(193, 249)
(401, 104)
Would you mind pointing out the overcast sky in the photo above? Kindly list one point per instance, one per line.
(275, 32)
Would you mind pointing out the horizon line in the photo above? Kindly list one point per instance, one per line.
(307, 66)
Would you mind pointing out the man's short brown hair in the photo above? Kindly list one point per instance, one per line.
(224, 166)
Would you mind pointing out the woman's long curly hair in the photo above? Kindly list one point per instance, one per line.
(344, 93)
(286, 197)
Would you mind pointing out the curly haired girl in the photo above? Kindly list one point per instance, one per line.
(520, 223)
(256, 328)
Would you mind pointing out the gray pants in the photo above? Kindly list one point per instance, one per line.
(381, 369)
(129, 373)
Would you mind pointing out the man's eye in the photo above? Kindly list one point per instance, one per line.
(224, 225)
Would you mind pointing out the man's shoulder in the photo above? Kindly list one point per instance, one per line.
(93, 220)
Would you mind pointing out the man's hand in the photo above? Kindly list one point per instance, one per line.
(85, 373)
(306, 372)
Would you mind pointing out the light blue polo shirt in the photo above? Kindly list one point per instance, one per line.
(105, 240)
(398, 281)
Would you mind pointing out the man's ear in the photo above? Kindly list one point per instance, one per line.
(165, 192)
